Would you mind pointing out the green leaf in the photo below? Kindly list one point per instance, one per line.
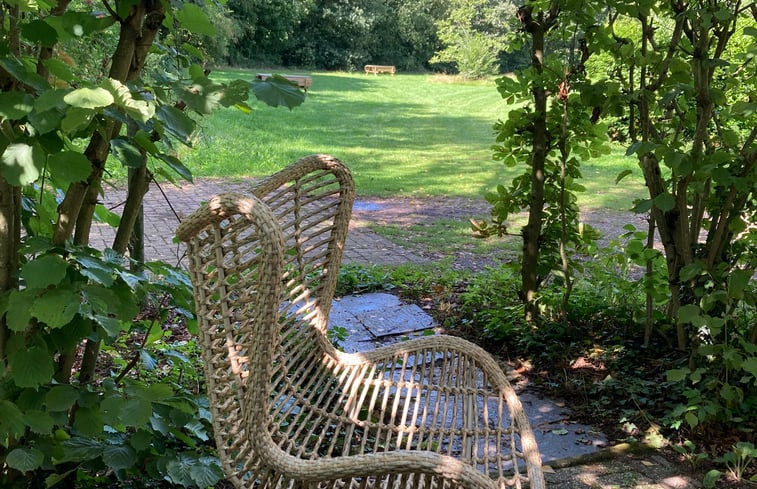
(277, 90)
(195, 20)
(39, 421)
(89, 98)
(18, 70)
(688, 313)
(677, 374)
(32, 367)
(140, 110)
(76, 119)
(61, 398)
(711, 478)
(47, 121)
(236, 92)
(102, 214)
(51, 99)
(750, 365)
(96, 270)
(665, 202)
(192, 50)
(89, 421)
(623, 175)
(737, 282)
(127, 153)
(112, 326)
(22, 163)
(154, 392)
(176, 122)
(119, 457)
(176, 165)
(59, 69)
(40, 32)
(69, 166)
(11, 422)
(640, 147)
(18, 315)
(136, 412)
(78, 449)
(53, 479)
(44, 271)
(56, 307)
(24, 459)
(15, 105)
(206, 474)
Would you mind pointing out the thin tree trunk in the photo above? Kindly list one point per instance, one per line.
(532, 231)
(649, 321)
(46, 52)
(137, 35)
(10, 237)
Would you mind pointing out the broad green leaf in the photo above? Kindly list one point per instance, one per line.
(277, 90)
(24, 459)
(95, 269)
(44, 271)
(78, 449)
(11, 422)
(195, 20)
(89, 421)
(18, 316)
(154, 392)
(140, 110)
(141, 440)
(136, 412)
(665, 202)
(145, 142)
(236, 92)
(89, 98)
(53, 479)
(127, 153)
(40, 32)
(206, 474)
(59, 69)
(51, 99)
(19, 71)
(642, 206)
(76, 119)
(176, 165)
(192, 50)
(68, 166)
(102, 214)
(32, 367)
(176, 122)
(15, 105)
(47, 121)
(22, 163)
(61, 398)
(56, 307)
(750, 365)
(641, 148)
(737, 282)
(688, 313)
(710, 478)
(112, 326)
(39, 421)
(179, 469)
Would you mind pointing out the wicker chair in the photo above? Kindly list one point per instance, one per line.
(290, 410)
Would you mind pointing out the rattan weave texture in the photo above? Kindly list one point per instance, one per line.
(290, 410)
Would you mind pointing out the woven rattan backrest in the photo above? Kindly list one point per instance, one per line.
(235, 248)
(312, 201)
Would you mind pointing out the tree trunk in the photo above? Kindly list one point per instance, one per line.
(10, 237)
(138, 32)
(532, 231)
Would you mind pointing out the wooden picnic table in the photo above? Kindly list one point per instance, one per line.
(303, 81)
(376, 69)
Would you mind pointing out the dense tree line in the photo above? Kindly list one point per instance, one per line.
(346, 34)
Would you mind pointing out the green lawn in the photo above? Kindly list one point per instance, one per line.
(408, 134)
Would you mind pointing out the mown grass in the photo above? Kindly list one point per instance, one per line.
(408, 134)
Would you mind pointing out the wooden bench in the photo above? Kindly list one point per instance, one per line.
(301, 80)
(376, 69)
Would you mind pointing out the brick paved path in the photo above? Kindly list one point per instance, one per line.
(161, 219)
